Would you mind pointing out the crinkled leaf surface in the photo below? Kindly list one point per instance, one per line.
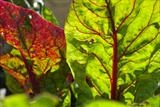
(29, 44)
(113, 41)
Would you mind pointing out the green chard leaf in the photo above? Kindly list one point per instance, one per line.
(116, 43)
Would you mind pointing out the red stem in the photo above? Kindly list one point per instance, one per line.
(114, 68)
(32, 76)
(115, 55)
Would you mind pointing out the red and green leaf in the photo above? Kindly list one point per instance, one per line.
(35, 45)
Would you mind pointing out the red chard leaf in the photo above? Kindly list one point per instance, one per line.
(36, 42)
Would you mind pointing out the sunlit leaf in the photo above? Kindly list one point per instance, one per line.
(114, 42)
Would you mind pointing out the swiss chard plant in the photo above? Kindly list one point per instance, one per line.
(112, 48)
(32, 51)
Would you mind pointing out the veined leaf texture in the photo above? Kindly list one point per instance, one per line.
(29, 44)
(117, 44)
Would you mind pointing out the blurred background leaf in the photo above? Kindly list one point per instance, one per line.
(21, 100)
